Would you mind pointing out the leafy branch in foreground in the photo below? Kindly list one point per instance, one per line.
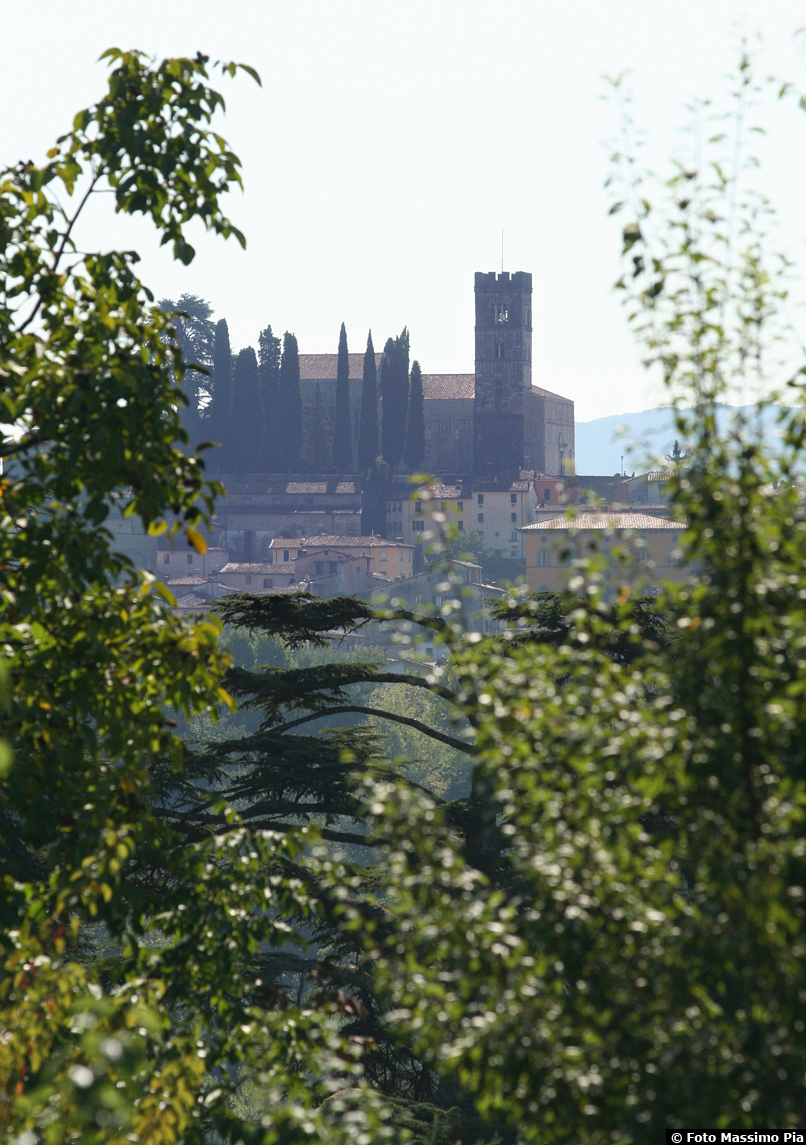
(125, 1010)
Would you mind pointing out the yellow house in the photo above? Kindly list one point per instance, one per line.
(409, 517)
(641, 550)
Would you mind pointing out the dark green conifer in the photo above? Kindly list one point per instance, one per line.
(368, 425)
(394, 397)
(342, 433)
(414, 453)
(220, 409)
(315, 436)
(271, 443)
(245, 422)
(291, 397)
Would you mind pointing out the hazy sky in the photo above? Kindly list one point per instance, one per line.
(393, 140)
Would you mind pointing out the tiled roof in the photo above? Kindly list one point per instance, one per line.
(283, 590)
(642, 521)
(449, 386)
(319, 487)
(549, 394)
(444, 491)
(185, 580)
(336, 542)
(319, 367)
(262, 568)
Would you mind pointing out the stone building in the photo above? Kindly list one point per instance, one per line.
(491, 423)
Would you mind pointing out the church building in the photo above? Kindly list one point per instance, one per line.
(493, 422)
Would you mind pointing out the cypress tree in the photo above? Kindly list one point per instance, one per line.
(271, 443)
(291, 410)
(395, 397)
(315, 434)
(342, 435)
(368, 426)
(245, 421)
(414, 452)
(220, 410)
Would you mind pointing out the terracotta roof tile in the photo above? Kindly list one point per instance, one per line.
(450, 386)
(320, 367)
(642, 521)
(336, 542)
(262, 568)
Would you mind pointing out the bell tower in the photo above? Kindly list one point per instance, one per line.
(503, 371)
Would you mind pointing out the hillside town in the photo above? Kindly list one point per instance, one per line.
(496, 473)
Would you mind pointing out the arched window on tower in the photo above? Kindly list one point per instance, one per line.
(543, 558)
(499, 350)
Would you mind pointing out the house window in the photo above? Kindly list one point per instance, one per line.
(267, 582)
(320, 568)
(513, 517)
(461, 526)
(481, 498)
(546, 494)
(481, 518)
(285, 555)
(166, 558)
(543, 559)
(514, 536)
(333, 566)
(383, 555)
(248, 579)
(418, 508)
(642, 555)
(675, 557)
(513, 498)
(460, 506)
(418, 526)
(190, 558)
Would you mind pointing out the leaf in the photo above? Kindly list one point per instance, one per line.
(157, 528)
(6, 758)
(196, 539)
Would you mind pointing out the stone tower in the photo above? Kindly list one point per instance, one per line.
(503, 372)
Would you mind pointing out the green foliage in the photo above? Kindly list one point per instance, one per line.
(291, 405)
(342, 430)
(414, 452)
(270, 440)
(128, 1006)
(246, 425)
(195, 334)
(368, 425)
(219, 411)
(394, 397)
(630, 915)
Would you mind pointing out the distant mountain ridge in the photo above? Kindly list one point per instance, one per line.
(639, 437)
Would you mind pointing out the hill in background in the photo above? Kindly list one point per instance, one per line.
(641, 438)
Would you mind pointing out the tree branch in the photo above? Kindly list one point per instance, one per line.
(451, 741)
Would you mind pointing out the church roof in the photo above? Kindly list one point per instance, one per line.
(449, 386)
(642, 521)
(322, 367)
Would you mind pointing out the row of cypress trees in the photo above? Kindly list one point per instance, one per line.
(251, 402)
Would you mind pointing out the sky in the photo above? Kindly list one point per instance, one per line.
(392, 142)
